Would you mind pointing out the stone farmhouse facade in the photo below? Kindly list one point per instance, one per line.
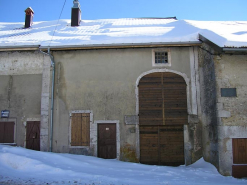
(142, 94)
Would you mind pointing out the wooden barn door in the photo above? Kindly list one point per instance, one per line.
(33, 135)
(162, 114)
(107, 141)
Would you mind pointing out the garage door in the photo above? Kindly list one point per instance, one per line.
(162, 114)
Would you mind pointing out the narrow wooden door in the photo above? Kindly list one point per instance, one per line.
(239, 149)
(107, 141)
(33, 135)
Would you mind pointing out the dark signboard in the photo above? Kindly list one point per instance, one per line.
(4, 113)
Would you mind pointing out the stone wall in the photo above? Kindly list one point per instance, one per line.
(231, 73)
(208, 105)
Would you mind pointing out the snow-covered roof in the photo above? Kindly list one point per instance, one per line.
(123, 31)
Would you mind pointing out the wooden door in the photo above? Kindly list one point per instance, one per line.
(7, 132)
(162, 114)
(171, 145)
(149, 144)
(162, 145)
(107, 141)
(239, 149)
(33, 135)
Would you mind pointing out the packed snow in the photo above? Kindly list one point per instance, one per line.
(22, 166)
(123, 32)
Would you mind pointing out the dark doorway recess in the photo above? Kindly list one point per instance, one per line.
(107, 141)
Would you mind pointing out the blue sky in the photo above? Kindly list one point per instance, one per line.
(216, 10)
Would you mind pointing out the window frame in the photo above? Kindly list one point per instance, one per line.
(167, 50)
(90, 112)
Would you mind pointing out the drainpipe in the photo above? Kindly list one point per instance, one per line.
(52, 94)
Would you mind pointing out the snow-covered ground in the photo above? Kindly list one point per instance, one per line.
(21, 166)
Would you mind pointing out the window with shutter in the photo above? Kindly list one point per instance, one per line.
(80, 129)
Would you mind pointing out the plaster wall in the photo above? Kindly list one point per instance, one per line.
(231, 73)
(104, 81)
(20, 89)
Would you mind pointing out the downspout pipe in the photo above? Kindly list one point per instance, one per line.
(52, 95)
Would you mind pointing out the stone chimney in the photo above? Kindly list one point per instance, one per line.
(29, 17)
(75, 14)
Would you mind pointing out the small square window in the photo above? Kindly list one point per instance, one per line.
(161, 57)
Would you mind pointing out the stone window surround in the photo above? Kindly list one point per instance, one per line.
(161, 64)
(91, 126)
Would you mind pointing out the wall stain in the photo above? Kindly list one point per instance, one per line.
(128, 153)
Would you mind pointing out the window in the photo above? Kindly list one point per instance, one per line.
(7, 132)
(80, 129)
(161, 57)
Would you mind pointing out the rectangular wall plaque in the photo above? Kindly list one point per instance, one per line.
(228, 92)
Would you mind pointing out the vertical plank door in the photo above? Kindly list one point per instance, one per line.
(239, 149)
(107, 141)
(162, 114)
(33, 135)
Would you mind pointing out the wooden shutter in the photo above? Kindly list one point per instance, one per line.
(7, 132)
(80, 129)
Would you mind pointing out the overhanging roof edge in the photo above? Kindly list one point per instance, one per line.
(132, 45)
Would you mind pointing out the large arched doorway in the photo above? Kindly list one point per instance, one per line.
(162, 114)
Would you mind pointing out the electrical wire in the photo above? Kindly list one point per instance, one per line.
(57, 22)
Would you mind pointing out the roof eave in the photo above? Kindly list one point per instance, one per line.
(20, 48)
(240, 50)
(216, 48)
(116, 46)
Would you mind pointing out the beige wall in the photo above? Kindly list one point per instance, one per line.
(20, 89)
(104, 81)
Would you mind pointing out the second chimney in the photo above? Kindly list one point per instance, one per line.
(75, 14)
(29, 17)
